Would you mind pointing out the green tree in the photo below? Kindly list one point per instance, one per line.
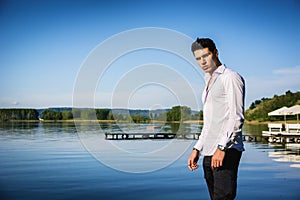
(259, 109)
(186, 113)
(179, 113)
(102, 114)
(67, 115)
(18, 114)
(201, 115)
(139, 119)
(51, 115)
(88, 114)
(76, 113)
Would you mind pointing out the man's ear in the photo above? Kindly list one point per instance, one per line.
(216, 52)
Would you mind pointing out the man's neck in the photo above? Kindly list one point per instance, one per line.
(218, 64)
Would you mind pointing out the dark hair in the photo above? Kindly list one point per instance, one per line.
(202, 43)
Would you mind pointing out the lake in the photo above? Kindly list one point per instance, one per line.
(68, 161)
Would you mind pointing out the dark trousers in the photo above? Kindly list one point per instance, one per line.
(222, 181)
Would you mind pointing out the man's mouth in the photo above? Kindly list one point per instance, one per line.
(205, 67)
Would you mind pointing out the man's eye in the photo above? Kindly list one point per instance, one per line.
(205, 55)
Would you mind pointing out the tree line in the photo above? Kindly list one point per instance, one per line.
(79, 114)
(259, 109)
(18, 114)
(177, 113)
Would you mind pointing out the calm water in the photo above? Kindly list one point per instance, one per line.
(49, 161)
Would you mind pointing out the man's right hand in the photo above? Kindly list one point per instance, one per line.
(192, 162)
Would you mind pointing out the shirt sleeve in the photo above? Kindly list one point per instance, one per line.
(199, 144)
(235, 90)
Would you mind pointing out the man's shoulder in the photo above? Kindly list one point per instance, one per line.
(231, 73)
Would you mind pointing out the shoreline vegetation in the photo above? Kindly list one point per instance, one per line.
(150, 123)
(257, 113)
(259, 109)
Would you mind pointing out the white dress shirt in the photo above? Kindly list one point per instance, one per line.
(223, 111)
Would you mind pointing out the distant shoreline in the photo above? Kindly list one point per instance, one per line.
(115, 121)
(267, 122)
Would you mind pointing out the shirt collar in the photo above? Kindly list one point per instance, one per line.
(218, 71)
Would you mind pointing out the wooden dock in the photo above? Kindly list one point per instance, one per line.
(143, 136)
(283, 138)
(195, 136)
(254, 138)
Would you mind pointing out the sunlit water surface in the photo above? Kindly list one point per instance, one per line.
(49, 161)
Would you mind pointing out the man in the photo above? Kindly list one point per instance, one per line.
(220, 141)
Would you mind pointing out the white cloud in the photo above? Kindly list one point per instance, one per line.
(277, 82)
(8, 102)
(40, 101)
(287, 71)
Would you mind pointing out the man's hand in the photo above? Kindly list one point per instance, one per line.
(217, 159)
(192, 162)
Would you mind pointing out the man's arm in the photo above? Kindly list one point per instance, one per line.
(194, 157)
(235, 89)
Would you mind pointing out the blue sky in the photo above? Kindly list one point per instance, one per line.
(44, 44)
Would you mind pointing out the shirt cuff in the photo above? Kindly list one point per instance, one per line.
(229, 141)
(223, 142)
(198, 146)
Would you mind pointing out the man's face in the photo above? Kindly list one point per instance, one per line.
(206, 59)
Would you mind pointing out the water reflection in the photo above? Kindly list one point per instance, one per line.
(254, 129)
(282, 152)
(18, 125)
(139, 128)
(289, 153)
(131, 155)
(50, 162)
(279, 152)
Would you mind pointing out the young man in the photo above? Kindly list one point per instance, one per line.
(220, 141)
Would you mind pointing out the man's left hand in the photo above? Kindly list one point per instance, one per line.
(217, 159)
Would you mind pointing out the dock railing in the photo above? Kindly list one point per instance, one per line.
(292, 128)
(275, 127)
(275, 138)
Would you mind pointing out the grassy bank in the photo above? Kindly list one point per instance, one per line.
(267, 122)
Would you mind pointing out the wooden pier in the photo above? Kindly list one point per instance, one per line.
(195, 136)
(279, 138)
(143, 136)
(254, 138)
